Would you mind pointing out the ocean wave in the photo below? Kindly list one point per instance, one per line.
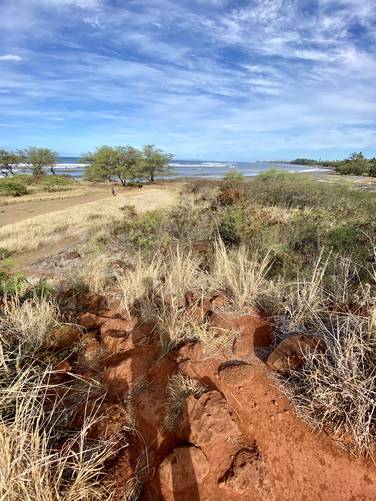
(70, 166)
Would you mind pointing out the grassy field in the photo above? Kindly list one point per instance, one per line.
(83, 220)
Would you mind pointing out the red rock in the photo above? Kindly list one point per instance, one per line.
(185, 467)
(247, 473)
(209, 419)
(198, 312)
(219, 301)
(64, 337)
(64, 366)
(254, 331)
(150, 406)
(91, 320)
(112, 421)
(91, 350)
(91, 302)
(122, 376)
(118, 327)
(123, 344)
(289, 354)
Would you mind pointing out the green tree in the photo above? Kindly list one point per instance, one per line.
(372, 167)
(40, 158)
(359, 163)
(123, 162)
(155, 161)
(8, 160)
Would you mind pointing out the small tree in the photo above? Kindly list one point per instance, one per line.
(359, 163)
(372, 167)
(156, 161)
(39, 158)
(122, 162)
(8, 160)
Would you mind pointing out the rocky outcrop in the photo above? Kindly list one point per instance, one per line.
(237, 439)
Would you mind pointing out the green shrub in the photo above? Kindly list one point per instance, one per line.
(4, 253)
(10, 284)
(12, 187)
(56, 183)
(232, 189)
(26, 179)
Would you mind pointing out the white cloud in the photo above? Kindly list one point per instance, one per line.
(10, 57)
(82, 4)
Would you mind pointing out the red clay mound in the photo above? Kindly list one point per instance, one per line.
(238, 440)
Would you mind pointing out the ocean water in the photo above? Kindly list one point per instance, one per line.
(197, 168)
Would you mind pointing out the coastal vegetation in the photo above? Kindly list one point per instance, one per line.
(300, 253)
(126, 163)
(356, 164)
(39, 159)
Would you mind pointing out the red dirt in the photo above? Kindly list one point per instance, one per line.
(239, 440)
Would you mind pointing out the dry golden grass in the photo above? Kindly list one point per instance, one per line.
(242, 276)
(81, 221)
(39, 195)
(32, 418)
(335, 390)
(157, 289)
(179, 388)
(28, 321)
(138, 282)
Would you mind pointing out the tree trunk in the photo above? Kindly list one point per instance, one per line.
(152, 173)
(52, 168)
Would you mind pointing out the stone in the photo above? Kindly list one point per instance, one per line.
(185, 467)
(254, 331)
(289, 354)
(112, 421)
(91, 320)
(118, 327)
(91, 302)
(198, 312)
(65, 336)
(91, 350)
(210, 419)
(247, 472)
(122, 344)
(123, 375)
(219, 301)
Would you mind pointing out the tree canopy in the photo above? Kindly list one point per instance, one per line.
(39, 159)
(126, 163)
(8, 160)
(107, 162)
(357, 164)
(156, 161)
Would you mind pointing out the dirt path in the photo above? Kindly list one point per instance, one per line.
(36, 230)
(18, 212)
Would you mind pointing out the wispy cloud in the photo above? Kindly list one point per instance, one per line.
(10, 57)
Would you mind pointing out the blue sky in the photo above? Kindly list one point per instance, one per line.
(210, 79)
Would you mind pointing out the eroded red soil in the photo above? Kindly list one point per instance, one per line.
(239, 440)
